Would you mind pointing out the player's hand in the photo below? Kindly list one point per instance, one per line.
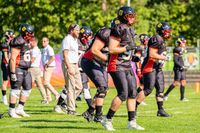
(13, 77)
(130, 47)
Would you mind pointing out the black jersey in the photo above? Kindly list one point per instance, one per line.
(24, 58)
(5, 49)
(149, 63)
(122, 61)
(103, 35)
(178, 57)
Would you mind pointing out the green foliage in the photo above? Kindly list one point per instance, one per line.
(52, 17)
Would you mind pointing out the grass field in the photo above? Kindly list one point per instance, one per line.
(185, 119)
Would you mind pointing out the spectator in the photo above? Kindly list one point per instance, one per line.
(70, 68)
(35, 69)
(49, 64)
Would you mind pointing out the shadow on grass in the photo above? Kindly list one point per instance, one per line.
(43, 120)
(62, 127)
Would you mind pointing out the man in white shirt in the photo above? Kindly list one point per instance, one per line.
(49, 64)
(70, 58)
(35, 69)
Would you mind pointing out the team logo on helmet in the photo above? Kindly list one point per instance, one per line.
(23, 28)
(121, 12)
(82, 30)
(159, 25)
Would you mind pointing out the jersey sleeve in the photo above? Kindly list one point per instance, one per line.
(103, 34)
(4, 46)
(17, 42)
(51, 51)
(66, 43)
(116, 32)
(155, 42)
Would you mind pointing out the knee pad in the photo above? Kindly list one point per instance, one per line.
(101, 92)
(63, 94)
(86, 93)
(147, 92)
(26, 93)
(14, 93)
(123, 97)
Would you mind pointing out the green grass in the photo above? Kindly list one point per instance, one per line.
(186, 116)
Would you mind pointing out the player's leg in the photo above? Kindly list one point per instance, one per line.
(25, 92)
(4, 68)
(131, 101)
(121, 84)
(177, 76)
(15, 92)
(160, 94)
(182, 87)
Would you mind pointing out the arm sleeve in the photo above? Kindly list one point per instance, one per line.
(34, 53)
(155, 42)
(66, 43)
(51, 52)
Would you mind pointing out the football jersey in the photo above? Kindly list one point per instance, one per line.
(122, 61)
(149, 63)
(23, 60)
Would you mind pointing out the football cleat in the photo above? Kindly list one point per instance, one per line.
(133, 125)
(107, 123)
(21, 112)
(88, 116)
(162, 113)
(13, 114)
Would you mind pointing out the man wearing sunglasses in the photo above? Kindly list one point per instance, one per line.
(179, 69)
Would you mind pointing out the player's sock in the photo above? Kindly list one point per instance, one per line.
(21, 105)
(98, 110)
(171, 87)
(160, 105)
(131, 115)
(12, 105)
(89, 101)
(91, 110)
(182, 91)
(3, 92)
(60, 100)
(110, 114)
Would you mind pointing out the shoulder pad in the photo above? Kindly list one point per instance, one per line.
(17, 42)
(4, 45)
(155, 41)
(103, 34)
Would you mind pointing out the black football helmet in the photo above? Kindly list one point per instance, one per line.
(85, 34)
(181, 40)
(27, 31)
(163, 29)
(124, 13)
(143, 38)
(9, 34)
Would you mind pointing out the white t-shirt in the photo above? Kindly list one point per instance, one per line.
(35, 52)
(71, 44)
(47, 52)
